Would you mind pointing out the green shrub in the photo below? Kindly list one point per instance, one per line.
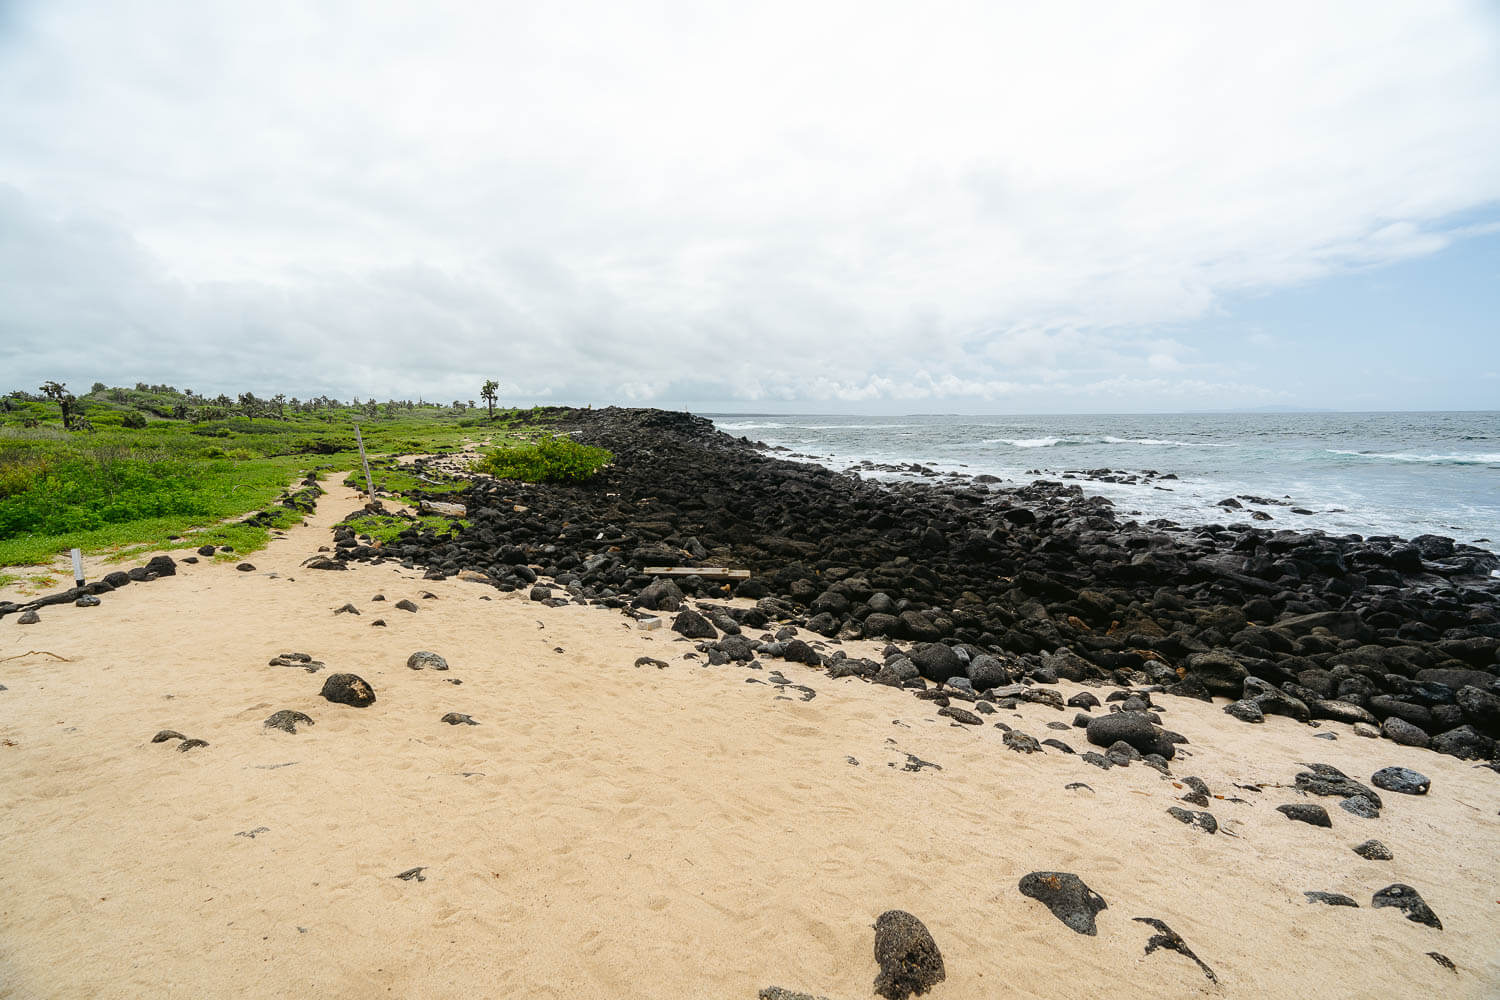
(133, 419)
(550, 460)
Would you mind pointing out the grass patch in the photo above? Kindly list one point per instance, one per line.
(6, 579)
(548, 460)
(197, 463)
(403, 482)
(384, 528)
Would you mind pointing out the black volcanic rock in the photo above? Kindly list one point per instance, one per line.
(1402, 780)
(936, 662)
(1137, 729)
(1069, 899)
(348, 689)
(1374, 850)
(1351, 629)
(1408, 901)
(1306, 812)
(691, 624)
(908, 957)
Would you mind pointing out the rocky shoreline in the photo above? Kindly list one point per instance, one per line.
(658, 777)
(990, 591)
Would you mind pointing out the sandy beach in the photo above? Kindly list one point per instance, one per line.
(608, 830)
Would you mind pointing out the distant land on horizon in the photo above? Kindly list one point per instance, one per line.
(1270, 410)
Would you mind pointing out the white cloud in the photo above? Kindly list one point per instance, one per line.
(852, 201)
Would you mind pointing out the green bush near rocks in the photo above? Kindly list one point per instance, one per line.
(549, 460)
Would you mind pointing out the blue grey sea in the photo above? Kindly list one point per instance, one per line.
(1400, 474)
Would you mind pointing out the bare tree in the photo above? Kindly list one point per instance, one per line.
(65, 400)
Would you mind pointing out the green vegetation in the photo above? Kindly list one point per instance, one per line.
(156, 467)
(383, 528)
(548, 460)
(388, 478)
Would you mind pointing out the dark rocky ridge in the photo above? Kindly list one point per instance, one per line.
(1042, 581)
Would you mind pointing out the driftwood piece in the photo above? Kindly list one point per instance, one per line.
(706, 572)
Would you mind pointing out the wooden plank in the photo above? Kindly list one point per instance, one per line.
(438, 507)
(707, 572)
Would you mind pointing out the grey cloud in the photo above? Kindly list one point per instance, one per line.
(776, 204)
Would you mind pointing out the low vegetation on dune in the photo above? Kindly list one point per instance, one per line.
(154, 466)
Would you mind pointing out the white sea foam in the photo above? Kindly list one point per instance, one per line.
(1479, 458)
(749, 425)
(1046, 442)
(1050, 442)
(854, 427)
(1165, 443)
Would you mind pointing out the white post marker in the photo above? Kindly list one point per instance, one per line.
(77, 568)
(369, 486)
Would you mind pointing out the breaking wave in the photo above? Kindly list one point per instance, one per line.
(1479, 458)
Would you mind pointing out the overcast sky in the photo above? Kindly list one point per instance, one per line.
(809, 206)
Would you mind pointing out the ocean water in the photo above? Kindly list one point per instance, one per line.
(1400, 474)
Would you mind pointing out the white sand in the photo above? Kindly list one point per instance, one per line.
(612, 831)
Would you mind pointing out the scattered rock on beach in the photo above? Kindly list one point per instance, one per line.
(187, 745)
(161, 566)
(1325, 779)
(1330, 898)
(87, 601)
(1402, 780)
(287, 720)
(1306, 812)
(1443, 960)
(1408, 901)
(28, 618)
(777, 993)
(1202, 820)
(245, 567)
(1021, 742)
(302, 660)
(406, 605)
(424, 659)
(167, 734)
(1172, 941)
(347, 609)
(458, 719)
(1066, 895)
(1374, 850)
(1137, 729)
(908, 957)
(348, 689)
(961, 715)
